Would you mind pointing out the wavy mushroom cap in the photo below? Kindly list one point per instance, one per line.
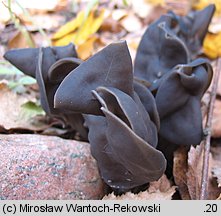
(178, 101)
(159, 51)
(193, 27)
(122, 142)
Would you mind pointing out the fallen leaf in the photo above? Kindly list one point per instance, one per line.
(111, 25)
(159, 190)
(216, 121)
(216, 163)
(194, 175)
(157, 2)
(79, 29)
(212, 45)
(179, 172)
(11, 110)
(20, 40)
(86, 49)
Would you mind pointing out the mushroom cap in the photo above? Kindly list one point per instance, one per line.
(122, 142)
(159, 51)
(178, 101)
(112, 66)
(26, 59)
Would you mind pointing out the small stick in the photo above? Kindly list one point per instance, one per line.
(206, 144)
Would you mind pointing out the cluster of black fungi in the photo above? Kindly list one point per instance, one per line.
(134, 117)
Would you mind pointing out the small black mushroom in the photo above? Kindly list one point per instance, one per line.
(49, 66)
(169, 41)
(178, 101)
(192, 28)
(159, 51)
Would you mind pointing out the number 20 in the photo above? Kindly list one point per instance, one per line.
(211, 208)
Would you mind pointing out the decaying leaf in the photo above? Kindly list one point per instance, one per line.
(194, 174)
(216, 122)
(79, 29)
(20, 41)
(11, 112)
(216, 163)
(212, 45)
(179, 172)
(159, 190)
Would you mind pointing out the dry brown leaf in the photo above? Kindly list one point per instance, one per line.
(194, 172)
(111, 25)
(20, 41)
(159, 190)
(10, 111)
(194, 175)
(216, 163)
(216, 122)
(79, 29)
(179, 172)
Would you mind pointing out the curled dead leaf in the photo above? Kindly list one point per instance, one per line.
(216, 122)
(179, 172)
(194, 175)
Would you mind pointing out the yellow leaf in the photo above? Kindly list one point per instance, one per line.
(79, 29)
(85, 50)
(156, 2)
(200, 4)
(69, 26)
(212, 45)
(66, 39)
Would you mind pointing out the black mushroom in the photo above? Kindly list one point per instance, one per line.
(166, 65)
(135, 117)
(122, 135)
(49, 66)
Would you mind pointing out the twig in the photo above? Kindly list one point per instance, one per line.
(18, 25)
(206, 144)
